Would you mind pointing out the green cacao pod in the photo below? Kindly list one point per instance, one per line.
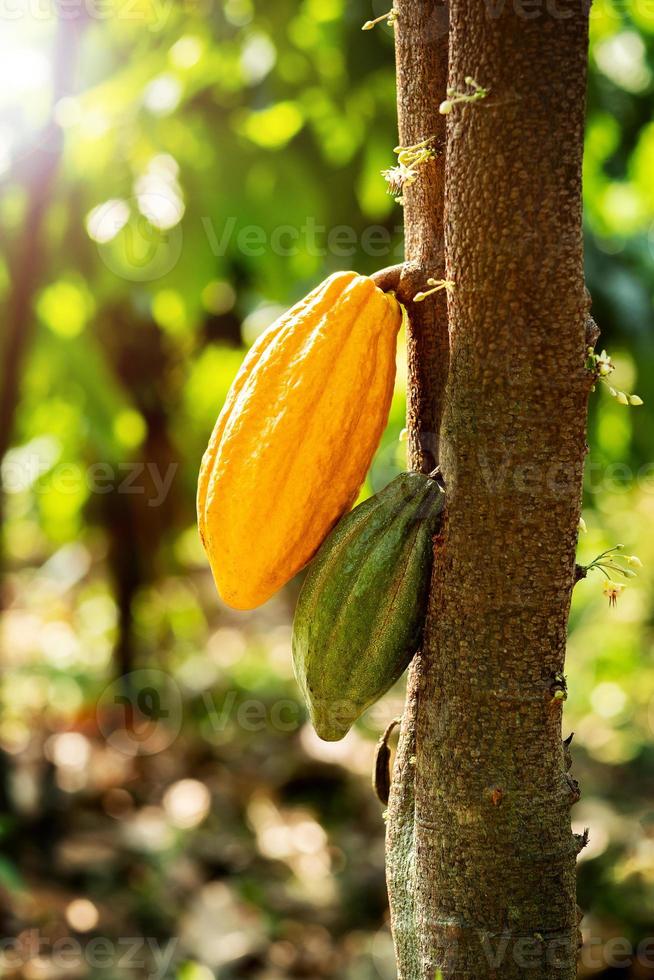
(361, 611)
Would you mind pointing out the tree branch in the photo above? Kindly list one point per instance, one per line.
(421, 38)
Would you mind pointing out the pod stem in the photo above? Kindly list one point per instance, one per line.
(437, 475)
(388, 279)
(404, 280)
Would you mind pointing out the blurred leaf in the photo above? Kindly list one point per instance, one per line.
(10, 876)
(272, 128)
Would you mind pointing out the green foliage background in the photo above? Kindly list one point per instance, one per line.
(218, 160)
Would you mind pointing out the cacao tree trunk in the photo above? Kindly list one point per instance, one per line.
(481, 857)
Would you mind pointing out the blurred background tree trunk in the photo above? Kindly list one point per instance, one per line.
(481, 856)
(38, 166)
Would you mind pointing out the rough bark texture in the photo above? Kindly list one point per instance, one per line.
(421, 57)
(490, 860)
(421, 37)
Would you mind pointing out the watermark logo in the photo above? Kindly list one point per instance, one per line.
(140, 713)
(143, 244)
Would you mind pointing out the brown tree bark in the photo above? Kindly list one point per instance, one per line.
(421, 39)
(481, 857)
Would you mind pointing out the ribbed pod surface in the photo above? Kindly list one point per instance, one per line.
(361, 611)
(296, 436)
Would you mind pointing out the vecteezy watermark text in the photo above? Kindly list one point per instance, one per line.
(126, 953)
(141, 478)
(309, 238)
(154, 15)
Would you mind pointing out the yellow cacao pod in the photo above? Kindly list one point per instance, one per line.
(296, 435)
